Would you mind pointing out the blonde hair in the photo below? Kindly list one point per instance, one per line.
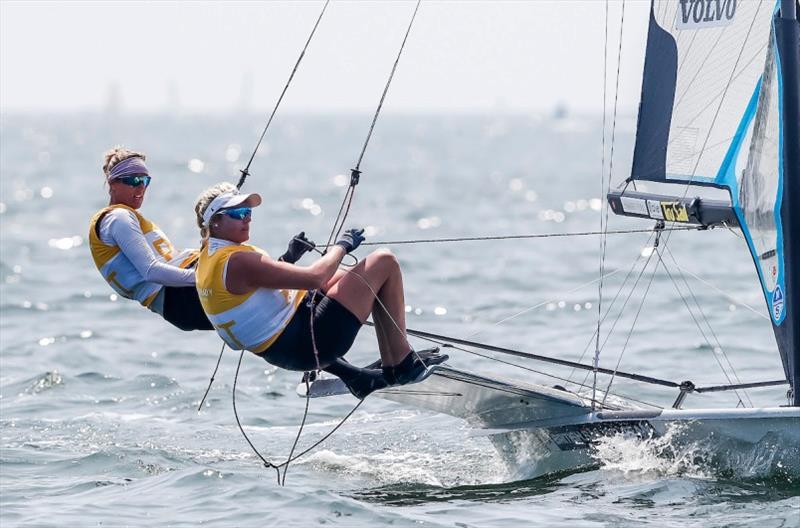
(205, 199)
(117, 154)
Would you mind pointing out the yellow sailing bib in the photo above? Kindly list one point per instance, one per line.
(116, 269)
(251, 321)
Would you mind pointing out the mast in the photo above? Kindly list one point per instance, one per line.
(788, 44)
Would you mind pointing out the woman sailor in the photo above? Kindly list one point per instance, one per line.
(134, 256)
(265, 305)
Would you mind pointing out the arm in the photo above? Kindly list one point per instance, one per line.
(124, 230)
(248, 271)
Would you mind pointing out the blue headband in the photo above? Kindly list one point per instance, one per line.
(128, 167)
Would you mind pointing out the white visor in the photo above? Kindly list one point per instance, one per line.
(228, 200)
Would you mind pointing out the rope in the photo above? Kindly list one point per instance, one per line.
(519, 236)
(291, 458)
(708, 324)
(635, 319)
(602, 193)
(355, 174)
(386, 88)
(719, 290)
(266, 462)
(246, 171)
(299, 430)
(213, 375)
(611, 306)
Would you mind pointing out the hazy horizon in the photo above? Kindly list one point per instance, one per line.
(214, 58)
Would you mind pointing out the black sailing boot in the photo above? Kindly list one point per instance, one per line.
(361, 382)
(413, 366)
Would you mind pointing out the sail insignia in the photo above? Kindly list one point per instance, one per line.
(698, 14)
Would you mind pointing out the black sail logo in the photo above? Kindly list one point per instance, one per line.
(701, 14)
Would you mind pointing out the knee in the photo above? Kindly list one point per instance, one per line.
(385, 259)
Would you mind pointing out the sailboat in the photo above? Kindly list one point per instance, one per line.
(720, 107)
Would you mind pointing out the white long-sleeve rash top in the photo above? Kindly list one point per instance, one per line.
(120, 227)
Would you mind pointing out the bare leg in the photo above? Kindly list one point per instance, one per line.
(383, 328)
(383, 324)
(379, 273)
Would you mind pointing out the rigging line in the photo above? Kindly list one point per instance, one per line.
(603, 226)
(344, 210)
(702, 333)
(707, 322)
(604, 217)
(356, 172)
(213, 375)
(266, 462)
(299, 430)
(445, 344)
(327, 435)
(291, 458)
(565, 380)
(521, 236)
(386, 88)
(245, 171)
(721, 291)
(727, 226)
(610, 306)
(537, 357)
(536, 306)
(624, 304)
(630, 332)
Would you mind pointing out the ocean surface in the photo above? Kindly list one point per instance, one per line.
(98, 397)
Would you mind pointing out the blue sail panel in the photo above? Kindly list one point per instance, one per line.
(766, 197)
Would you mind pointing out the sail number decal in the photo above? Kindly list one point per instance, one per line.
(701, 14)
(674, 212)
(571, 437)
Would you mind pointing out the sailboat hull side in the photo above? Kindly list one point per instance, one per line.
(723, 438)
(487, 402)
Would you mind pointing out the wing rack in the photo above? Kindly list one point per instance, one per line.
(695, 210)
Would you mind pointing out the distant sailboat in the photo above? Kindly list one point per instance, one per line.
(719, 107)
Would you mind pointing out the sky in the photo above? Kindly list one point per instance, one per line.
(524, 56)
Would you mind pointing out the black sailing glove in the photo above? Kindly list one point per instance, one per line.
(351, 239)
(298, 246)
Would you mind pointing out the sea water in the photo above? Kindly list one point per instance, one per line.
(98, 397)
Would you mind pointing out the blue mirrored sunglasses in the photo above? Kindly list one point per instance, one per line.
(240, 213)
(136, 180)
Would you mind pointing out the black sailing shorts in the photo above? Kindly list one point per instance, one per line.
(335, 329)
(182, 308)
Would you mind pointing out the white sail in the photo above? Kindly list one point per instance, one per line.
(702, 68)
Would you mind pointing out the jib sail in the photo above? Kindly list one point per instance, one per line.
(719, 107)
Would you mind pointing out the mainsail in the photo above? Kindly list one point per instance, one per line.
(719, 108)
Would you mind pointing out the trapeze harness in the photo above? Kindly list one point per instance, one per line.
(250, 321)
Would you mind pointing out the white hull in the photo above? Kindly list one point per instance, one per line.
(541, 430)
